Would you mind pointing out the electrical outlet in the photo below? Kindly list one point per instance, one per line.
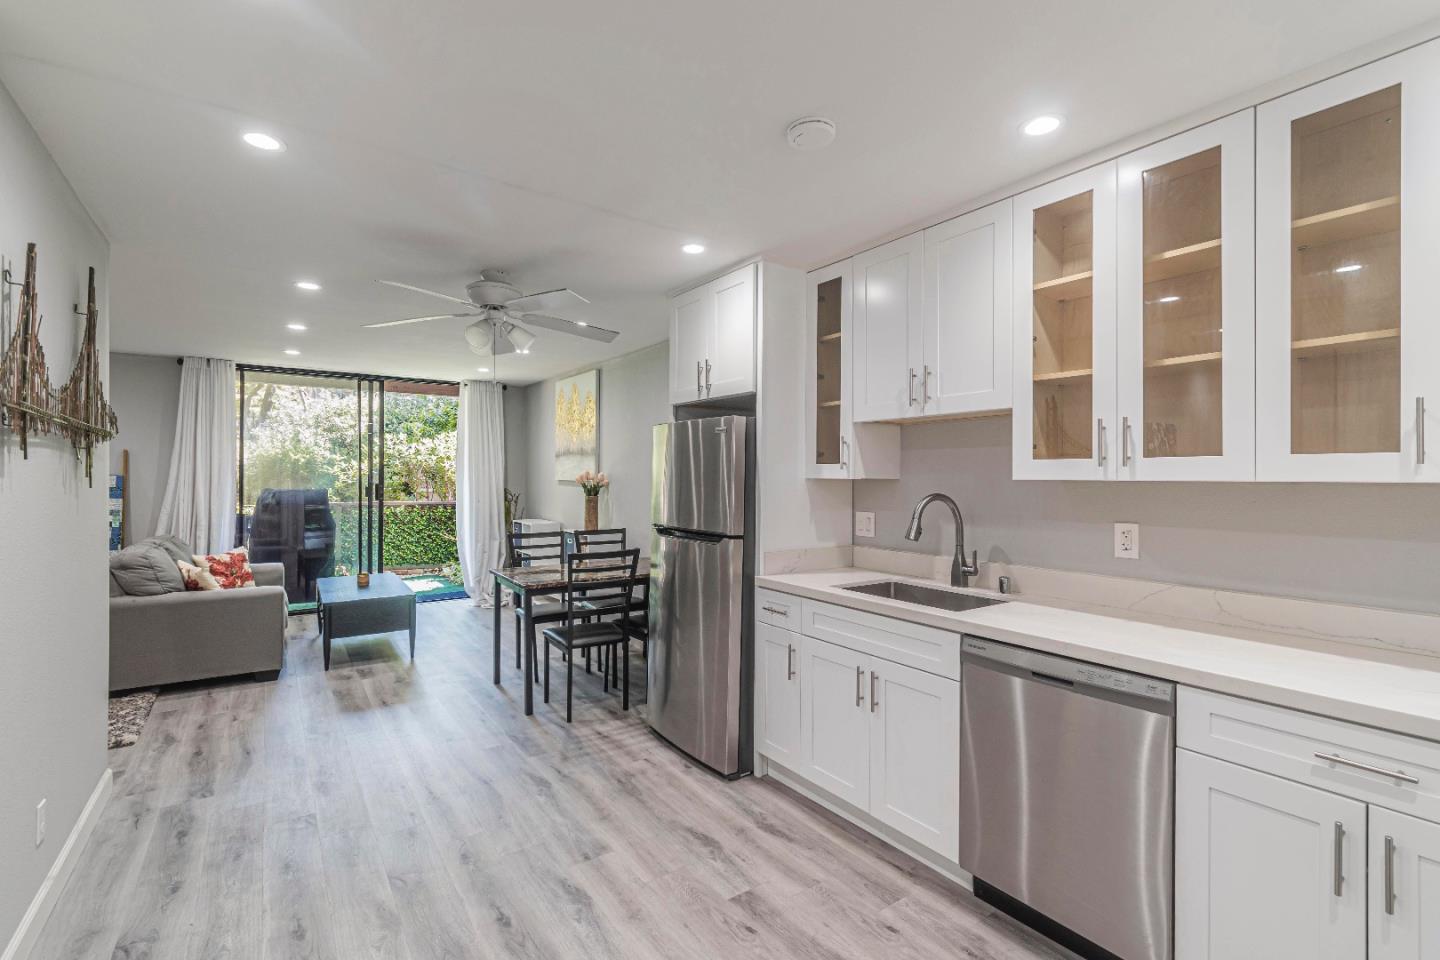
(864, 524)
(1127, 541)
(40, 823)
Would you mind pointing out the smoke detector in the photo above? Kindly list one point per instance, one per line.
(810, 133)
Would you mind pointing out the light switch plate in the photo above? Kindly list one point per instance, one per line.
(864, 524)
(1127, 541)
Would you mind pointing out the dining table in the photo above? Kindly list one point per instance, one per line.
(528, 582)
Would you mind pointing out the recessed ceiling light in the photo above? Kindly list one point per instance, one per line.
(693, 248)
(1042, 125)
(526, 350)
(292, 353)
(310, 285)
(1348, 268)
(263, 141)
(581, 323)
(483, 369)
(1170, 299)
(295, 326)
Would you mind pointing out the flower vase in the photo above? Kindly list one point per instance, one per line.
(592, 512)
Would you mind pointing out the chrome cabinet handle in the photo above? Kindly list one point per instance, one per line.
(1124, 441)
(1390, 876)
(789, 661)
(698, 388)
(1400, 775)
(859, 686)
(778, 611)
(925, 387)
(874, 700)
(910, 391)
(844, 454)
(1100, 441)
(707, 376)
(1420, 431)
(1339, 878)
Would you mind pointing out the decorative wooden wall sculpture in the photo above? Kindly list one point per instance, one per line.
(78, 411)
(24, 379)
(84, 416)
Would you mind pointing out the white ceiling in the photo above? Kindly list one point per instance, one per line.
(573, 142)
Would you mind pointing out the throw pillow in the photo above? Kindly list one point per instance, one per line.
(173, 545)
(196, 578)
(145, 570)
(230, 569)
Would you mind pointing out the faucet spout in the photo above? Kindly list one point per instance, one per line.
(961, 570)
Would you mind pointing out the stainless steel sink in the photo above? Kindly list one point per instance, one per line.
(924, 596)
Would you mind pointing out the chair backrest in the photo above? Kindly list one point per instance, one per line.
(607, 572)
(536, 548)
(589, 541)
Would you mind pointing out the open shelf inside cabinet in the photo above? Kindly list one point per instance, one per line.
(1063, 306)
(829, 373)
(1348, 223)
(1076, 286)
(1182, 261)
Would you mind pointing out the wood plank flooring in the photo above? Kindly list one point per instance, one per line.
(387, 810)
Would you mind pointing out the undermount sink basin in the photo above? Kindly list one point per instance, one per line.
(924, 596)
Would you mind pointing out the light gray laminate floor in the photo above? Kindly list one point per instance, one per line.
(385, 810)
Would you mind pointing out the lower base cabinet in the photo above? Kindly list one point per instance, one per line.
(1404, 887)
(885, 738)
(777, 693)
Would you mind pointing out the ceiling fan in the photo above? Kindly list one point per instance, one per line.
(499, 305)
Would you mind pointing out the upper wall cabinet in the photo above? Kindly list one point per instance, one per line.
(887, 330)
(1348, 241)
(839, 449)
(1064, 302)
(1185, 306)
(712, 338)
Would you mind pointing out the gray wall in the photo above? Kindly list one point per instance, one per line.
(517, 430)
(1354, 543)
(53, 532)
(634, 395)
(145, 392)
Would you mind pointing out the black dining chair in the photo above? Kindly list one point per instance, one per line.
(543, 549)
(588, 576)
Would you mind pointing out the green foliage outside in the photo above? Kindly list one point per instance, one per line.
(422, 535)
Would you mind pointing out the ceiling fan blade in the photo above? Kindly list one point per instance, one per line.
(548, 300)
(443, 316)
(432, 293)
(568, 326)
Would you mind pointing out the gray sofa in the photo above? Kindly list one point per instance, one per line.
(171, 636)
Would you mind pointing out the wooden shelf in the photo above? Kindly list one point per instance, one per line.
(829, 337)
(1342, 343)
(1347, 223)
(1074, 287)
(1196, 258)
(830, 403)
(1185, 361)
(1063, 375)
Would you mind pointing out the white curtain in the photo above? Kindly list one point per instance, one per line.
(199, 504)
(480, 486)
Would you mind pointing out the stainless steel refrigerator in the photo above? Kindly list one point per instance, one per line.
(701, 571)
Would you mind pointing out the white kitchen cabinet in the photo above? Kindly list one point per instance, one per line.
(777, 693)
(1347, 244)
(1064, 303)
(712, 338)
(914, 755)
(886, 308)
(1264, 867)
(1185, 306)
(835, 720)
(838, 448)
(966, 334)
(1404, 887)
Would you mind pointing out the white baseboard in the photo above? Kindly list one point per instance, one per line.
(34, 920)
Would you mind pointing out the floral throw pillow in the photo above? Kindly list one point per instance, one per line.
(196, 578)
(229, 570)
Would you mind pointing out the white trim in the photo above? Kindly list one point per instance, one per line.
(33, 922)
(774, 770)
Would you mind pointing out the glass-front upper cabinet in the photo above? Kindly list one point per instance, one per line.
(1064, 357)
(1348, 246)
(1186, 287)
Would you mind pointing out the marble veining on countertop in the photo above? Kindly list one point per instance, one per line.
(1382, 686)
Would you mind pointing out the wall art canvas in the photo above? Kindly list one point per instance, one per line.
(577, 425)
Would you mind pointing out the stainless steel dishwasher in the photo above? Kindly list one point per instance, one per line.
(1067, 804)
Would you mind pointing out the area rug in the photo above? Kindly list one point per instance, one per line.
(128, 715)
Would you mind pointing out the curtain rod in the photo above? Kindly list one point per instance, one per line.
(337, 375)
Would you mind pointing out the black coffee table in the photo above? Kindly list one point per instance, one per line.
(347, 609)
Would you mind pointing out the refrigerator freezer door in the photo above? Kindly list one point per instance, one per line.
(698, 480)
(693, 695)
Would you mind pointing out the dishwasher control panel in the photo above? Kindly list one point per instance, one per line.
(1045, 667)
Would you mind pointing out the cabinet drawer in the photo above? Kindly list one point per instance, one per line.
(1373, 765)
(777, 609)
(924, 648)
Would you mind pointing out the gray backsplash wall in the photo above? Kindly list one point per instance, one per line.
(1351, 543)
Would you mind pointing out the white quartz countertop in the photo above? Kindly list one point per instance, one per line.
(1391, 690)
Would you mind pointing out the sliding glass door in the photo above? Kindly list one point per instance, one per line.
(417, 502)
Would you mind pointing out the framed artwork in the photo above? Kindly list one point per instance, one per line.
(577, 425)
